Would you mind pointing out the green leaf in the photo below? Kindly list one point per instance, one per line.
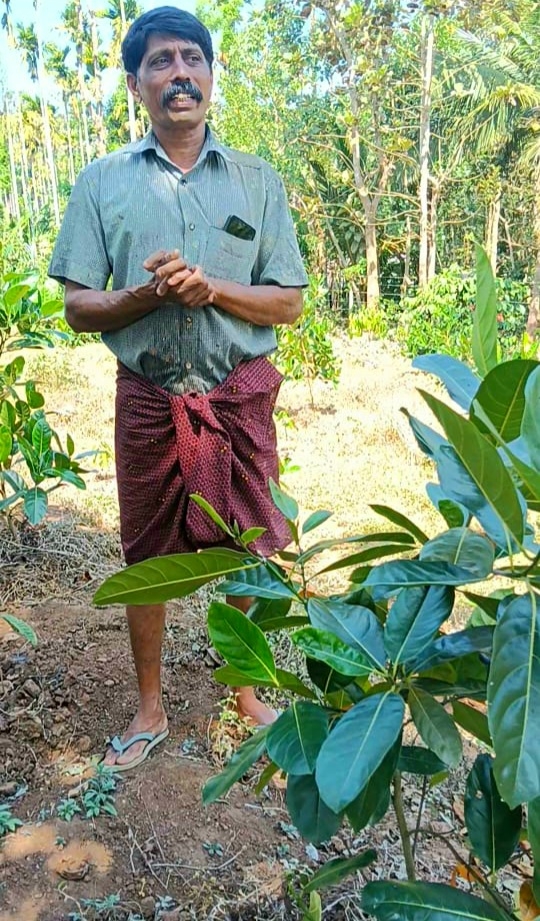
(314, 910)
(356, 747)
(372, 802)
(483, 464)
(484, 334)
(387, 579)
(41, 436)
(258, 582)
(310, 814)
(34, 399)
(363, 556)
(502, 397)
(266, 777)
(6, 443)
(251, 535)
(393, 537)
(413, 620)
(436, 728)
(315, 521)
(529, 477)
(16, 293)
(294, 740)
(288, 681)
(353, 624)
(166, 577)
(414, 759)
(533, 829)
(462, 548)
(249, 752)
(487, 604)
(35, 504)
(286, 504)
(68, 476)
(514, 700)
(26, 631)
(460, 382)
(389, 901)
(401, 520)
(493, 828)
(473, 721)
(325, 647)
(241, 642)
(211, 512)
(267, 610)
(455, 646)
(333, 871)
(530, 429)
(70, 445)
(325, 678)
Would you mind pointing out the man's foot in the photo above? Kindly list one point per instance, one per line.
(253, 710)
(155, 725)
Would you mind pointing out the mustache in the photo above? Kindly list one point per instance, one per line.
(182, 88)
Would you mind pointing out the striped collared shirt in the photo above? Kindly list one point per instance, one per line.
(134, 202)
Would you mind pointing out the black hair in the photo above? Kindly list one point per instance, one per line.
(165, 20)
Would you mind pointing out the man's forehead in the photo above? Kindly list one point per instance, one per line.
(165, 41)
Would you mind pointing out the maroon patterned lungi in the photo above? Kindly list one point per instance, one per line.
(221, 445)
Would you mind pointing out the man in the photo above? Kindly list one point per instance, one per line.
(200, 245)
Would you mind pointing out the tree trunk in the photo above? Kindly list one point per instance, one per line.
(24, 159)
(372, 258)
(407, 266)
(492, 227)
(534, 303)
(428, 44)
(99, 122)
(71, 161)
(130, 99)
(14, 210)
(433, 218)
(46, 123)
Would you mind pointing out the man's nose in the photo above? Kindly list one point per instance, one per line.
(180, 68)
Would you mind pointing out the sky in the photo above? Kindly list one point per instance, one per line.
(13, 71)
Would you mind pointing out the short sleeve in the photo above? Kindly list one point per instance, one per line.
(278, 261)
(80, 253)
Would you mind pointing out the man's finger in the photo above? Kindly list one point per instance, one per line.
(170, 268)
(160, 258)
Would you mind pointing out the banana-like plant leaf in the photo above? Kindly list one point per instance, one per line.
(356, 747)
(386, 580)
(462, 548)
(241, 643)
(353, 624)
(514, 700)
(166, 577)
(295, 739)
(483, 465)
(312, 817)
(460, 382)
(249, 752)
(325, 647)
(493, 827)
(339, 868)
(388, 901)
(484, 334)
(436, 728)
(530, 429)
(257, 582)
(402, 521)
(21, 627)
(455, 646)
(413, 620)
(472, 720)
(413, 759)
(502, 397)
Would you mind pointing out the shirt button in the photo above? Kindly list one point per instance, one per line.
(183, 182)
(189, 320)
(192, 226)
(188, 366)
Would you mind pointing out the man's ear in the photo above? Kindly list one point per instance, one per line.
(133, 86)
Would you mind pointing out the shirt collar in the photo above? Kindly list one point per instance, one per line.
(211, 145)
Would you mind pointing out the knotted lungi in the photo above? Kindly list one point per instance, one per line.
(221, 445)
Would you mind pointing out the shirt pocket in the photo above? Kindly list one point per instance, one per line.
(229, 257)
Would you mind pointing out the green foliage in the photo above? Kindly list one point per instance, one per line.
(382, 652)
(67, 809)
(305, 350)
(8, 822)
(98, 798)
(33, 461)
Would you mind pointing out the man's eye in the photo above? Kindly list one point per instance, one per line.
(195, 59)
(159, 61)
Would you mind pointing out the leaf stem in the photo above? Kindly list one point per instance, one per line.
(397, 799)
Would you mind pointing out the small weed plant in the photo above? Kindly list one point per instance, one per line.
(98, 798)
(8, 822)
(382, 656)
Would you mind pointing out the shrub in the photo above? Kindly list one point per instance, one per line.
(381, 653)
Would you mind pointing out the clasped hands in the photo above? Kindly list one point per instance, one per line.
(175, 280)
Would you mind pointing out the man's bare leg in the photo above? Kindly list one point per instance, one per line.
(146, 624)
(247, 704)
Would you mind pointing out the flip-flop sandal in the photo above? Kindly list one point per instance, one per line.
(120, 747)
(267, 725)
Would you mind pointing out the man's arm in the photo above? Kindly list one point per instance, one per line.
(90, 311)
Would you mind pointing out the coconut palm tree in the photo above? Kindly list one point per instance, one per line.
(121, 14)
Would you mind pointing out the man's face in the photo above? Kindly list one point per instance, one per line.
(174, 82)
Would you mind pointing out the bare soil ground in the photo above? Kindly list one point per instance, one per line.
(164, 856)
